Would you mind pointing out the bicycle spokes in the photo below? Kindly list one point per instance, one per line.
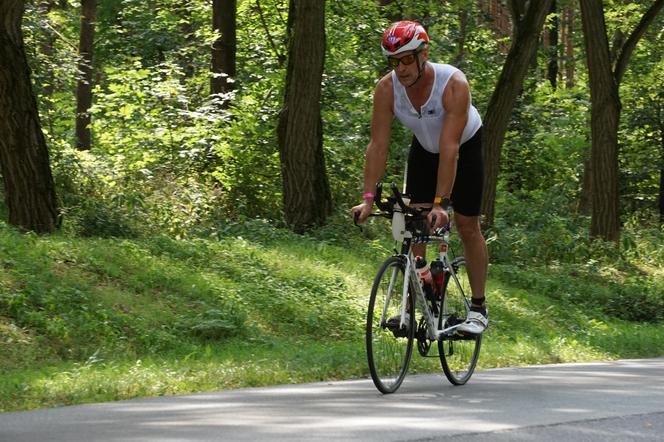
(389, 337)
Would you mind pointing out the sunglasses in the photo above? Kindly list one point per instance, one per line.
(406, 59)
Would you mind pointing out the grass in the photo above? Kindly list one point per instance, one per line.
(88, 319)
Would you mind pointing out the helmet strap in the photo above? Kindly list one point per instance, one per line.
(420, 69)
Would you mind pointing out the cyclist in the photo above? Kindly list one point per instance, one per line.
(445, 158)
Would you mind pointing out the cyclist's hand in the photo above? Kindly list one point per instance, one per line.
(441, 217)
(361, 212)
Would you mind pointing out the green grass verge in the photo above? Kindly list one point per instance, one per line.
(86, 320)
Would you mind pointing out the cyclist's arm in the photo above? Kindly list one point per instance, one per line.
(381, 120)
(456, 102)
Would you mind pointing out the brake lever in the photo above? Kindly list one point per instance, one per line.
(356, 217)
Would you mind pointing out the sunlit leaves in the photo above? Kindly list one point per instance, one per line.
(154, 120)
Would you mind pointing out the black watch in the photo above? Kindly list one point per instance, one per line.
(444, 201)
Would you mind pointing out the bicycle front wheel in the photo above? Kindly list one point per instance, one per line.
(458, 351)
(389, 346)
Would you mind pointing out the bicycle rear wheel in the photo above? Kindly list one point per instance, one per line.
(458, 351)
(389, 347)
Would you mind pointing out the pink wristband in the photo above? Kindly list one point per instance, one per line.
(368, 196)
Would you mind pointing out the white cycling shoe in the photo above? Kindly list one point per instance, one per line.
(475, 323)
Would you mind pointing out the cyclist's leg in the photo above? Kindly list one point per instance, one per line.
(475, 252)
(467, 199)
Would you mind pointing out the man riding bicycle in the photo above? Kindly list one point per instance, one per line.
(445, 158)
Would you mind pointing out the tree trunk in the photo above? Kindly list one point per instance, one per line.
(306, 194)
(569, 46)
(460, 57)
(187, 29)
(524, 45)
(661, 176)
(84, 89)
(585, 203)
(224, 47)
(552, 67)
(29, 188)
(500, 22)
(605, 112)
(46, 48)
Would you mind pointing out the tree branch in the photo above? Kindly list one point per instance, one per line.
(628, 48)
(62, 37)
(280, 56)
(617, 43)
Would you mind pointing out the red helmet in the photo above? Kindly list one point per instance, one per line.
(403, 36)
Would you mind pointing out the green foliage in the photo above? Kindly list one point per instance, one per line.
(642, 148)
(547, 142)
(105, 319)
(156, 134)
(148, 121)
(134, 297)
(353, 63)
(540, 246)
(160, 140)
(88, 190)
(217, 324)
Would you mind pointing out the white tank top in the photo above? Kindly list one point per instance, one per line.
(428, 122)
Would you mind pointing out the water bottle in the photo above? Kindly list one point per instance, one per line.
(437, 275)
(426, 280)
(398, 224)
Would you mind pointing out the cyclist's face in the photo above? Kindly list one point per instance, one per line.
(406, 65)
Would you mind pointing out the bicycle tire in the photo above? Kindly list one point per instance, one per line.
(389, 348)
(458, 352)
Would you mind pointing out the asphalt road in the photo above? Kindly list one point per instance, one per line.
(617, 401)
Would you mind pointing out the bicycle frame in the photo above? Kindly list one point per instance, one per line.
(398, 209)
(426, 316)
(411, 279)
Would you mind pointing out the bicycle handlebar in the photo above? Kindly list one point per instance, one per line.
(397, 198)
(388, 208)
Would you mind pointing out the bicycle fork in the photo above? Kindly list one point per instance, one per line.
(404, 294)
(451, 278)
(420, 298)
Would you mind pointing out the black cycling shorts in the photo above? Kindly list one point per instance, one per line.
(467, 191)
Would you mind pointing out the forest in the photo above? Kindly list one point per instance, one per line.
(140, 136)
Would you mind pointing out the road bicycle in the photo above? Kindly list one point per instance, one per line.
(398, 298)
